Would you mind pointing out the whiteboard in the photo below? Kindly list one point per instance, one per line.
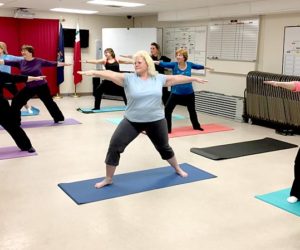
(291, 51)
(127, 41)
(235, 40)
(193, 39)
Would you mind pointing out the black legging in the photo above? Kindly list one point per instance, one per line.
(127, 131)
(186, 100)
(295, 191)
(107, 87)
(43, 93)
(12, 88)
(8, 122)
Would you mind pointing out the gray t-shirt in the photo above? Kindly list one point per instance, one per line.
(144, 98)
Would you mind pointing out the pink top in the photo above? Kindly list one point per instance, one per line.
(297, 87)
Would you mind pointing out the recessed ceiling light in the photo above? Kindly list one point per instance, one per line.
(115, 3)
(1, 4)
(77, 11)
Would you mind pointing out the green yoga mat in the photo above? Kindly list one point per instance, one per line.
(234, 150)
(278, 199)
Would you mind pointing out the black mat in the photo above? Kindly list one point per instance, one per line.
(234, 150)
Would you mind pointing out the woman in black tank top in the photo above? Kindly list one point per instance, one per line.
(107, 87)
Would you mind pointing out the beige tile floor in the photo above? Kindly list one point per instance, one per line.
(220, 213)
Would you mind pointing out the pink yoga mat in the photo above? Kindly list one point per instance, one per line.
(188, 130)
(13, 152)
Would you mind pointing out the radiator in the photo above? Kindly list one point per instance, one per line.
(231, 107)
(272, 104)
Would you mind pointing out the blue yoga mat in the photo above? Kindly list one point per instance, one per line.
(35, 111)
(117, 120)
(135, 182)
(278, 199)
(102, 110)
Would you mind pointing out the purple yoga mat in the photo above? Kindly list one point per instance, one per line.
(13, 152)
(47, 123)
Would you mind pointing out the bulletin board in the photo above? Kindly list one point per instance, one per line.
(191, 38)
(291, 51)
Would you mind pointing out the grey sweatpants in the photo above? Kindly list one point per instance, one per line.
(127, 131)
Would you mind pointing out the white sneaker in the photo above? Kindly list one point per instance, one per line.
(29, 110)
(292, 199)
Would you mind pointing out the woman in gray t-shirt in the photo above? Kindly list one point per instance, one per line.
(144, 111)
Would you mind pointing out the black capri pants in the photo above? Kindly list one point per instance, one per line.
(186, 100)
(295, 191)
(127, 131)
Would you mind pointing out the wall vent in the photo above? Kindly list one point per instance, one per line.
(231, 107)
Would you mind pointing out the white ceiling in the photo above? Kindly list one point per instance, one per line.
(152, 6)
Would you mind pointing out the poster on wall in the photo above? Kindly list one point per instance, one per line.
(193, 39)
(291, 51)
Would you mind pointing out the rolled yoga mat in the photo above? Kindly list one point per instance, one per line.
(239, 149)
(130, 183)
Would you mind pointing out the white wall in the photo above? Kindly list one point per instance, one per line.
(269, 52)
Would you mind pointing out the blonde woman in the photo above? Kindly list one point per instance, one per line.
(144, 112)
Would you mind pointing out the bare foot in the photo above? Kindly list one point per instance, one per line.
(180, 172)
(103, 183)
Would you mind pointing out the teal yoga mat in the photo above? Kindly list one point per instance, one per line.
(35, 111)
(278, 199)
(117, 120)
(130, 183)
(102, 110)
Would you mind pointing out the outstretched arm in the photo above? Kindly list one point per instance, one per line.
(9, 78)
(35, 78)
(62, 64)
(209, 68)
(127, 56)
(116, 77)
(285, 85)
(181, 79)
(95, 61)
(125, 60)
